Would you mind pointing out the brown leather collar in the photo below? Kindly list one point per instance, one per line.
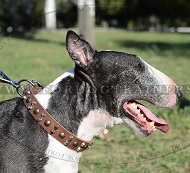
(49, 124)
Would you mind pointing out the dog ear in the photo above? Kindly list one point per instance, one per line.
(82, 37)
(79, 49)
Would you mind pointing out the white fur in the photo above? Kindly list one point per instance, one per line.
(61, 159)
(117, 121)
(95, 122)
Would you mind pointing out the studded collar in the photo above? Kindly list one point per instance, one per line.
(49, 124)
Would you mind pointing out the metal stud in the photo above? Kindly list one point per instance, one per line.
(70, 137)
(23, 96)
(27, 92)
(62, 135)
(78, 149)
(83, 145)
(66, 142)
(33, 103)
(52, 132)
(42, 114)
(75, 144)
(29, 107)
(56, 127)
(36, 111)
(39, 119)
(47, 123)
(28, 100)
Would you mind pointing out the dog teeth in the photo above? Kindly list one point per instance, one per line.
(133, 105)
(152, 123)
(142, 115)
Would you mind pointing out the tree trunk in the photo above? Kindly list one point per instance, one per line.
(86, 19)
(50, 14)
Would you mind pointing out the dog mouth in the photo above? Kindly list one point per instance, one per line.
(146, 121)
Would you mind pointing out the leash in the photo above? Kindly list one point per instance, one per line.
(42, 117)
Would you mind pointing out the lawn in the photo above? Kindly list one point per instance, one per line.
(43, 57)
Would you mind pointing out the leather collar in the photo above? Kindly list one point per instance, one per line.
(49, 124)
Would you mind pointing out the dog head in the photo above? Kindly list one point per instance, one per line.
(120, 79)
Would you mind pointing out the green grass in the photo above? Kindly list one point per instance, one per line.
(43, 57)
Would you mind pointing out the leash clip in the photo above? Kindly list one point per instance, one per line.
(17, 85)
(8, 80)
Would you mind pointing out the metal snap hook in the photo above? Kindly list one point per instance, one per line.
(21, 81)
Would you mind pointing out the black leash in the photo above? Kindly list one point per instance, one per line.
(17, 85)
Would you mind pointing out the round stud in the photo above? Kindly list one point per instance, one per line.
(27, 92)
(36, 111)
(28, 100)
(62, 135)
(75, 144)
(47, 123)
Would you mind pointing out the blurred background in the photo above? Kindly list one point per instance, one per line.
(21, 16)
(32, 45)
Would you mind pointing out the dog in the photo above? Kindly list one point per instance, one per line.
(99, 92)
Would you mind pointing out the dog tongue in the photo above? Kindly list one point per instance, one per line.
(159, 123)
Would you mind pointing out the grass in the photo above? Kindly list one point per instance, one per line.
(43, 57)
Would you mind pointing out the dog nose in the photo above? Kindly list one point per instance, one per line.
(179, 93)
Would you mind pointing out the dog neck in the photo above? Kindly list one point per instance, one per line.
(83, 119)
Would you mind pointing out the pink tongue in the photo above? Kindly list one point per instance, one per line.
(159, 123)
